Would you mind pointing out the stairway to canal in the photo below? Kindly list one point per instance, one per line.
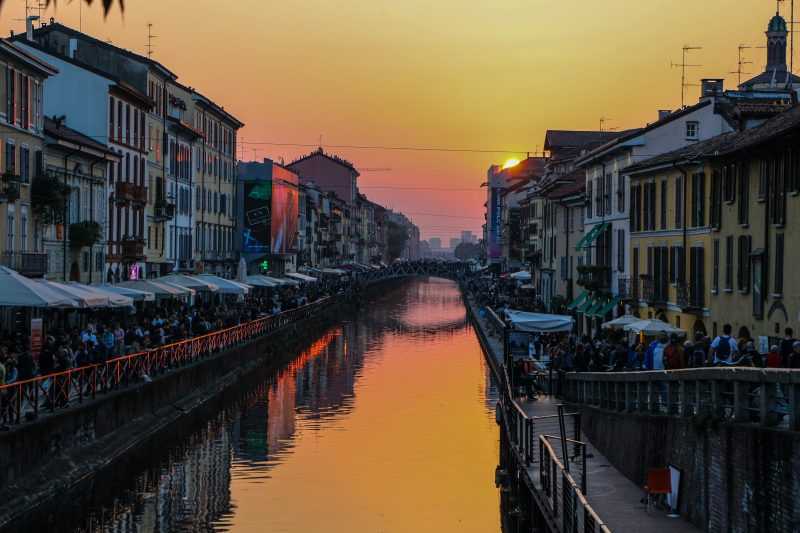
(614, 498)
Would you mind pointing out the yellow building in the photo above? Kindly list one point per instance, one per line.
(22, 78)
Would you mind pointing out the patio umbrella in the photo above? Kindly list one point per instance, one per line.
(86, 299)
(241, 270)
(621, 322)
(114, 299)
(190, 282)
(158, 289)
(652, 327)
(19, 291)
(133, 294)
(260, 281)
(302, 277)
(522, 275)
(225, 286)
(278, 281)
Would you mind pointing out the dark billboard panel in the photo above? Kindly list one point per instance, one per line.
(285, 210)
(257, 215)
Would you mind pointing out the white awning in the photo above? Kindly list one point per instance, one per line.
(134, 294)
(279, 281)
(114, 299)
(653, 327)
(18, 291)
(189, 282)
(85, 298)
(522, 275)
(301, 277)
(157, 288)
(289, 281)
(539, 322)
(334, 271)
(621, 322)
(225, 286)
(258, 280)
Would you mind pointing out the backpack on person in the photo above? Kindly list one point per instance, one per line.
(723, 349)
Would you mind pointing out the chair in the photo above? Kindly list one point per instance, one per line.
(659, 481)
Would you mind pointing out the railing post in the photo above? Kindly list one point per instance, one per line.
(628, 406)
(766, 401)
(740, 400)
(793, 397)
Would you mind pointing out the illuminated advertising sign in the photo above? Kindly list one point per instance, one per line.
(495, 224)
(285, 211)
(257, 211)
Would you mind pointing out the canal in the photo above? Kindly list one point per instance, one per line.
(384, 424)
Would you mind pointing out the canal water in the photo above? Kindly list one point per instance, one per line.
(384, 424)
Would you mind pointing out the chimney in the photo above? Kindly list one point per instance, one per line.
(73, 47)
(29, 27)
(663, 113)
(710, 87)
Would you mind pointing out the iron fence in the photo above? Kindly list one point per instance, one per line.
(27, 399)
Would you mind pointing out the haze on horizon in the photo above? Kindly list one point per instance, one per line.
(451, 75)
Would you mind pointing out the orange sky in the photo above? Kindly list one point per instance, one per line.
(452, 73)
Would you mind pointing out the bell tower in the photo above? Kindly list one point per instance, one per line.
(776, 44)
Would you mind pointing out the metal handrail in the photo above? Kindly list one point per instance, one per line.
(28, 398)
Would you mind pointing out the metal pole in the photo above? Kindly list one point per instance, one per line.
(563, 432)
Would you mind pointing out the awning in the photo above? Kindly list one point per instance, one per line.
(260, 281)
(114, 298)
(157, 288)
(620, 322)
(189, 282)
(86, 299)
(301, 277)
(606, 307)
(135, 294)
(334, 271)
(587, 304)
(19, 291)
(653, 327)
(579, 300)
(597, 303)
(226, 286)
(589, 238)
(539, 322)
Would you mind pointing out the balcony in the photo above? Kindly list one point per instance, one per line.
(126, 192)
(594, 277)
(30, 264)
(627, 290)
(163, 211)
(690, 297)
(133, 250)
(655, 292)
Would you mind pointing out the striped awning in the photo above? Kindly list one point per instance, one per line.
(588, 239)
(579, 300)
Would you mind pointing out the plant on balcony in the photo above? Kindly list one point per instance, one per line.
(593, 277)
(85, 233)
(48, 199)
(10, 186)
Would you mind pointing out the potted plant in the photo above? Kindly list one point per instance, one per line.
(85, 233)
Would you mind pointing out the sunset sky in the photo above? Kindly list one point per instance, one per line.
(449, 74)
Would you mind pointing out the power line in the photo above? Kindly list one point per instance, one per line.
(394, 188)
(441, 215)
(401, 148)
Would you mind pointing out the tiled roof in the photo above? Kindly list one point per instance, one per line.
(776, 78)
(332, 157)
(60, 131)
(555, 139)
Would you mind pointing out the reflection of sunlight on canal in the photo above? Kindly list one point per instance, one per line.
(386, 423)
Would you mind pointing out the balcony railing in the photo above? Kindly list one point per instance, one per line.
(654, 292)
(164, 211)
(30, 264)
(626, 289)
(130, 192)
(133, 250)
(690, 296)
(594, 277)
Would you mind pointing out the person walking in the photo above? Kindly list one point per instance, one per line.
(724, 347)
(654, 358)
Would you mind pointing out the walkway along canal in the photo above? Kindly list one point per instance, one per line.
(385, 421)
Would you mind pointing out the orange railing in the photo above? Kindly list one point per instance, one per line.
(25, 400)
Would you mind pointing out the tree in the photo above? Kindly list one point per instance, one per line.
(107, 4)
(466, 251)
(396, 238)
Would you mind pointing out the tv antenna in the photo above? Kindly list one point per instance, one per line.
(684, 65)
(741, 62)
(603, 121)
(150, 38)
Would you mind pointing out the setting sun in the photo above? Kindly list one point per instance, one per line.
(510, 163)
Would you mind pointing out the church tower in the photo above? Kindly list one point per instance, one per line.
(776, 77)
(776, 44)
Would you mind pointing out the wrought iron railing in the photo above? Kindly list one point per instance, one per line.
(29, 398)
(690, 296)
(30, 264)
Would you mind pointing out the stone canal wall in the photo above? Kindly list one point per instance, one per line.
(735, 477)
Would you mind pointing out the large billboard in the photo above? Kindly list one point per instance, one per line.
(285, 210)
(257, 211)
(495, 224)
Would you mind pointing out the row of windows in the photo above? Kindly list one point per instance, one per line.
(213, 202)
(126, 124)
(16, 226)
(129, 169)
(20, 162)
(649, 204)
(22, 95)
(738, 262)
(213, 238)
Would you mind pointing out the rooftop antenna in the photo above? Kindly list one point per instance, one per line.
(741, 61)
(320, 141)
(150, 38)
(684, 65)
(604, 121)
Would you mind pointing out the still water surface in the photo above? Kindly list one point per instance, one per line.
(385, 424)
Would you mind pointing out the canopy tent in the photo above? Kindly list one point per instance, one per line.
(588, 239)
(19, 291)
(225, 286)
(539, 322)
(621, 322)
(301, 277)
(286, 281)
(184, 291)
(652, 327)
(334, 271)
(522, 275)
(579, 300)
(157, 288)
(603, 307)
(190, 282)
(263, 282)
(134, 294)
(114, 299)
(277, 281)
(84, 298)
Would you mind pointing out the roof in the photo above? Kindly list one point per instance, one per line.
(566, 185)
(320, 152)
(58, 130)
(56, 26)
(32, 61)
(575, 139)
(207, 102)
(727, 143)
(777, 24)
(776, 78)
(630, 134)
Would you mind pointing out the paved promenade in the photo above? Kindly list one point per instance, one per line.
(615, 498)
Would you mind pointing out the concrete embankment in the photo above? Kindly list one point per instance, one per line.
(45, 459)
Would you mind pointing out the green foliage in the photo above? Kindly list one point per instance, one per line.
(85, 233)
(48, 199)
(107, 4)
(466, 251)
(396, 238)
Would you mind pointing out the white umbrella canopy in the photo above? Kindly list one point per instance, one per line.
(258, 280)
(539, 322)
(522, 275)
(189, 282)
(19, 291)
(278, 281)
(86, 299)
(226, 286)
(287, 281)
(621, 322)
(652, 327)
(159, 290)
(114, 299)
(133, 294)
(241, 270)
(301, 277)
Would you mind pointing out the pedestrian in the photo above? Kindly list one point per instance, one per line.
(654, 358)
(674, 354)
(724, 347)
(774, 358)
(787, 347)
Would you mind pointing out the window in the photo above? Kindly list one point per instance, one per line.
(11, 102)
(111, 118)
(763, 178)
(716, 199)
(589, 187)
(24, 164)
(698, 200)
(777, 193)
(620, 193)
(23, 229)
(729, 263)
(621, 250)
(743, 270)
(697, 271)
(729, 182)
(599, 195)
(127, 124)
(119, 121)
(10, 230)
(664, 204)
(715, 273)
(607, 196)
(11, 158)
(692, 129)
(679, 202)
(778, 288)
(743, 211)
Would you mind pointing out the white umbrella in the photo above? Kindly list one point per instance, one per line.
(539, 322)
(225, 286)
(189, 282)
(19, 291)
(278, 281)
(301, 277)
(286, 281)
(652, 327)
(260, 281)
(241, 271)
(160, 290)
(620, 322)
(522, 275)
(134, 294)
(85, 298)
(114, 299)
